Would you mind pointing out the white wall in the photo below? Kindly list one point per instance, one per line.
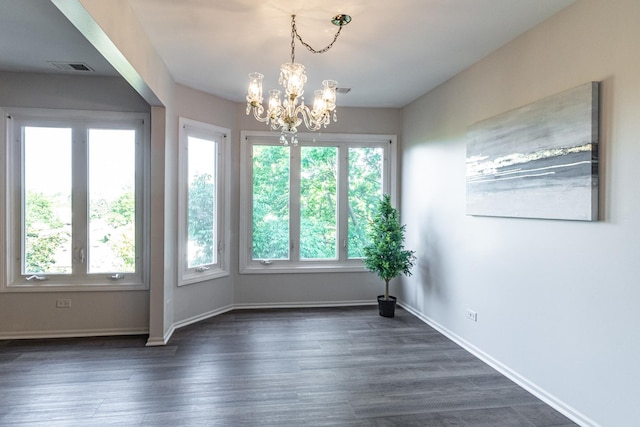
(556, 300)
(92, 312)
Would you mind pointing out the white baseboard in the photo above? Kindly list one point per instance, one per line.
(159, 341)
(523, 382)
(317, 304)
(203, 316)
(252, 306)
(76, 333)
(167, 336)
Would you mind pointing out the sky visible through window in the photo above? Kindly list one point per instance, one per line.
(48, 155)
(201, 157)
(112, 162)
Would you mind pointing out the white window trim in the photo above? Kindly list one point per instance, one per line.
(4, 177)
(250, 266)
(188, 276)
(11, 279)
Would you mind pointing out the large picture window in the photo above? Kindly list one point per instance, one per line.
(307, 207)
(75, 203)
(203, 202)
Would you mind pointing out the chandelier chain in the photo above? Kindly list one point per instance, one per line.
(294, 34)
(293, 38)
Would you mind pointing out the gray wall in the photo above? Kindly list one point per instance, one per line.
(194, 301)
(71, 92)
(313, 288)
(556, 300)
(92, 312)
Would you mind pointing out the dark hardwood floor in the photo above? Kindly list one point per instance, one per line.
(289, 367)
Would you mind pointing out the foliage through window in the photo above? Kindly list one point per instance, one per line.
(203, 254)
(76, 205)
(308, 206)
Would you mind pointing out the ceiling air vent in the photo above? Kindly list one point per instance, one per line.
(71, 66)
(343, 90)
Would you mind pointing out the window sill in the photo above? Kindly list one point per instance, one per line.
(196, 278)
(289, 268)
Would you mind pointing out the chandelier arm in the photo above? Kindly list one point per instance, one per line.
(309, 120)
(256, 114)
(304, 112)
(294, 31)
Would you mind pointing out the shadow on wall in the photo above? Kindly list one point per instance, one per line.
(430, 278)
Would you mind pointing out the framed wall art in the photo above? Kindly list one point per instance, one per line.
(537, 161)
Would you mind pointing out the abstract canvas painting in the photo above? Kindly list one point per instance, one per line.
(537, 161)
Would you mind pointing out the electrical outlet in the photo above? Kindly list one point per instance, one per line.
(63, 303)
(472, 315)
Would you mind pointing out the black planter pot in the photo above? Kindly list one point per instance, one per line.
(387, 308)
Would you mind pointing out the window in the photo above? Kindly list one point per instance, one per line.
(75, 200)
(307, 207)
(203, 198)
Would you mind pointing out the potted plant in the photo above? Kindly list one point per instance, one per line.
(386, 255)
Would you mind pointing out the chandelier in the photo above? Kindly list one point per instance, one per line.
(289, 113)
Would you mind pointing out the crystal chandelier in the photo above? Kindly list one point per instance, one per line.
(289, 113)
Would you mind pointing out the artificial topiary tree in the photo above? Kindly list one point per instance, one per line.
(386, 255)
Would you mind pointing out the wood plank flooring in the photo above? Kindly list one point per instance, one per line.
(286, 367)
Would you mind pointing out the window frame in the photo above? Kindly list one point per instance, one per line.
(294, 264)
(188, 127)
(11, 229)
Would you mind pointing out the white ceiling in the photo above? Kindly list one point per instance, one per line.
(390, 54)
(34, 32)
